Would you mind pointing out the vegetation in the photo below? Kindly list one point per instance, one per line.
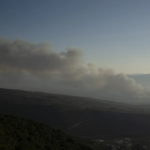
(21, 134)
(79, 116)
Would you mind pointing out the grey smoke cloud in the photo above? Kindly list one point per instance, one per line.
(22, 62)
(25, 56)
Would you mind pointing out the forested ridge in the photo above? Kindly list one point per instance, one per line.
(20, 134)
(78, 116)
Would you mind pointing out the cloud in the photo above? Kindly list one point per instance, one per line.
(25, 56)
(22, 62)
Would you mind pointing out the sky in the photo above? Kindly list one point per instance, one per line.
(79, 47)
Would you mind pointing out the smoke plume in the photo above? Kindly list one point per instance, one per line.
(27, 65)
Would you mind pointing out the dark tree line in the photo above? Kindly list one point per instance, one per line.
(21, 134)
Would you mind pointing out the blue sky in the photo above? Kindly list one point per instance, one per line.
(112, 34)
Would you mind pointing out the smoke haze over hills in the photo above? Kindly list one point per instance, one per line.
(24, 65)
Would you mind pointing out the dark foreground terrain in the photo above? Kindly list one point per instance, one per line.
(21, 134)
(78, 116)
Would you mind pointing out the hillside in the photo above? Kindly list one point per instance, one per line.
(20, 134)
(9, 96)
(78, 116)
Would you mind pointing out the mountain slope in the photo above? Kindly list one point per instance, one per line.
(20, 134)
(9, 96)
(84, 117)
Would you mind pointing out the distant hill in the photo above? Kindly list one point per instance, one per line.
(20, 134)
(78, 116)
(9, 96)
